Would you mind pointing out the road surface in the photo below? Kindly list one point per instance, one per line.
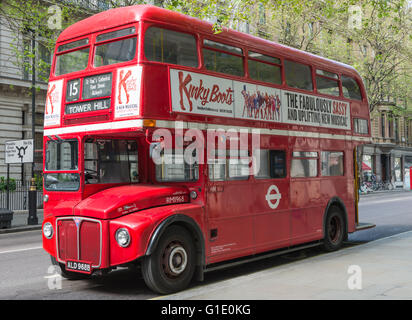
(26, 271)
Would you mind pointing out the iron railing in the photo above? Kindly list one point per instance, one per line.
(18, 199)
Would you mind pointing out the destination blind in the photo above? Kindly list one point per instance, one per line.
(88, 106)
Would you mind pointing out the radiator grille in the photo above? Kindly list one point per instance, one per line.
(79, 239)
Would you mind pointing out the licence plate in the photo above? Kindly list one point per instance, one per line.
(79, 266)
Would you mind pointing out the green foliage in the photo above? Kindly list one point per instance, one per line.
(11, 184)
(31, 18)
(38, 178)
(379, 47)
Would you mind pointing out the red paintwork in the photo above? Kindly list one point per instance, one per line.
(237, 209)
(110, 203)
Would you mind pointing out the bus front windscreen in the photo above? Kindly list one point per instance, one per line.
(61, 155)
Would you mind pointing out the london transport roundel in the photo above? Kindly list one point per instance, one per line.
(273, 196)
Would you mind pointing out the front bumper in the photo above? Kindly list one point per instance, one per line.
(85, 239)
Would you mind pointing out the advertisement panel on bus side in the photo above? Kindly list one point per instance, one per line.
(207, 95)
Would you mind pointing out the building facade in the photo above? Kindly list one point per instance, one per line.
(16, 105)
(16, 96)
(389, 157)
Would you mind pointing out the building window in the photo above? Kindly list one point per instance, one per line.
(390, 127)
(396, 129)
(398, 169)
(44, 58)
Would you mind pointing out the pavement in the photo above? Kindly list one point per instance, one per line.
(19, 222)
(378, 270)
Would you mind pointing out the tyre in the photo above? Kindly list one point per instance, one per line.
(68, 274)
(335, 229)
(171, 266)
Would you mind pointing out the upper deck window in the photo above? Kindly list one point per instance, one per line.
(118, 51)
(73, 45)
(169, 46)
(327, 82)
(223, 58)
(72, 61)
(351, 88)
(115, 34)
(327, 74)
(115, 52)
(298, 75)
(264, 68)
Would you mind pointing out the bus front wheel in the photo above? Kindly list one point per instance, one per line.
(171, 266)
(334, 229)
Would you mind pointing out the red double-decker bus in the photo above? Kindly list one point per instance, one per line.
(177, 149)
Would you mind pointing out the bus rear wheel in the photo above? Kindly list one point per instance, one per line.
(171, 266)
(335, 229)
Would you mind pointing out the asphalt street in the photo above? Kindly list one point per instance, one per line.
(26, 271)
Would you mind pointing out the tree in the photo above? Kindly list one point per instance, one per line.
(374, 36)
(42, 21)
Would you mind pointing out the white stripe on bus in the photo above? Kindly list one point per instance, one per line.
(201, 126)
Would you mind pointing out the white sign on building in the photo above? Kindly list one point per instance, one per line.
(20, 151)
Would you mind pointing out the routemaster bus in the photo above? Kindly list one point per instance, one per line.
(182, 151)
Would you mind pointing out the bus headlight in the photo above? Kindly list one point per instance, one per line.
(122, 237)
(48, 230)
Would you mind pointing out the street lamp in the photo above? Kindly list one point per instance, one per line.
(32, 219)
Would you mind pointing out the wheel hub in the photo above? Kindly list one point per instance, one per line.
(334, 229)
(174, 260)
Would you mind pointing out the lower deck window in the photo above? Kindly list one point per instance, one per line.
(272, 164)
(172, 167)
(110, 161)
(304, 164)
(231, 166)
(332, 163)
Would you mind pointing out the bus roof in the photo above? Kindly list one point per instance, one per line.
(125, 15)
